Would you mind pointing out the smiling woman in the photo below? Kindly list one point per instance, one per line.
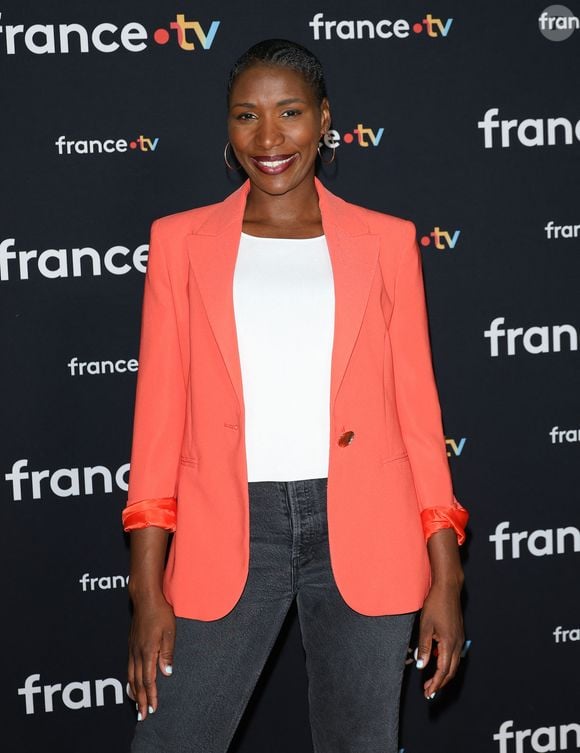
(277, 116)
(312, 368)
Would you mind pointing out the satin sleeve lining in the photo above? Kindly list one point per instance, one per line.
(436, 518)
(161, 512)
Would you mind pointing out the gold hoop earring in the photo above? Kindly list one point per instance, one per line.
(231, 167)
(329, 161)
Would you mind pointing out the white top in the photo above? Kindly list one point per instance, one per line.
(284, 308)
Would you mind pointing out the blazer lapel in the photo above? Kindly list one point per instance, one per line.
(213, 249)
(354, 254)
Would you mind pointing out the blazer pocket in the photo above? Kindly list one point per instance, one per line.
(187, 460)
(395, 458)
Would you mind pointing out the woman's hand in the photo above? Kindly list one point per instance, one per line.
(441, 616)
(151, 642)
(152, 634)
(441, 621)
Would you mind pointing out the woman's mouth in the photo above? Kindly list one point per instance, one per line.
(274, 164)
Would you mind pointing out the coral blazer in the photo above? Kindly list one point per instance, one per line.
(389, 485)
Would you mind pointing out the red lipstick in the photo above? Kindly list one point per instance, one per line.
(274, 164)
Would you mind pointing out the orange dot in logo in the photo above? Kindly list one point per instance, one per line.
(348, 138)
(425, 240)
(133, 144)
(417, 28)
(161, 36)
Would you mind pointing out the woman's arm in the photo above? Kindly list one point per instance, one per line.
(151, 509)
(152, 634)
(417, 398)
(442, 516)
(160, 399)
(441, 617)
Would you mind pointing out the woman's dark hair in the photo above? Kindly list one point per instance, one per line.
(285, 54)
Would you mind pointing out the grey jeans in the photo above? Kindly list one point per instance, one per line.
(354, 662)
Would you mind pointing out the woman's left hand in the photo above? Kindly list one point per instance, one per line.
(441, 621)
(441, 616)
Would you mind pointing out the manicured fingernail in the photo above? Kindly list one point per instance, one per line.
(416, 653)
(151, 710)
(139, 717)
(420, 664)
(169, 669)
(432, 696)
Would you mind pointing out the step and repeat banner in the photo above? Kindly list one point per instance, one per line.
(463, 117)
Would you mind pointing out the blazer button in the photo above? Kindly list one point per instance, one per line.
(346, 438)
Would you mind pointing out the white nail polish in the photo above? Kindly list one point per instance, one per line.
(420, 663)
(169, 669)
(139, 717)
(416, 653)
(432, 695)
(151, 710)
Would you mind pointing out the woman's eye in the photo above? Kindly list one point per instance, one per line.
(291, 112)
(245, 116)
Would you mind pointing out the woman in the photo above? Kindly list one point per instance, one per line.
(324, 478)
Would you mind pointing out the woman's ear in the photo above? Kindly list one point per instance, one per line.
(325, 117)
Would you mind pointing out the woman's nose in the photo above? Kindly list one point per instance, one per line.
(268, 134)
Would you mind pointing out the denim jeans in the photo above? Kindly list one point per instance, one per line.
(354, 662)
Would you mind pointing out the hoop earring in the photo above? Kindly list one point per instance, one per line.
(329, 161)
(231, 167)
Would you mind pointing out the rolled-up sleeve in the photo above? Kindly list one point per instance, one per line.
(417, 399)
(160, 399)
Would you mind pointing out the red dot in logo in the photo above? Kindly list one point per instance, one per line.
(133, 144)
(425, 240)
(348, 138)
(161, 36)
(417, 28)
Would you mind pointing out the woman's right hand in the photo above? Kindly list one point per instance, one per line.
(151, 642)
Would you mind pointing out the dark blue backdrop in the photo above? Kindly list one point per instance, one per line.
(106, 127)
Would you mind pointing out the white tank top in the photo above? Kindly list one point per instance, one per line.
(284, 308)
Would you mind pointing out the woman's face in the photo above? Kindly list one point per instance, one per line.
(274, 126)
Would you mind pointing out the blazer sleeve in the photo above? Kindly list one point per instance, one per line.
(160, 402)
(417, 398)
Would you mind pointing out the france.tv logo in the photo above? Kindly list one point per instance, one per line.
(360, 136)
(441, 239)
(105, 37)
(142, 143)
(385, 28)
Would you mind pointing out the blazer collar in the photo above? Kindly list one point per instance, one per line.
(333, 209)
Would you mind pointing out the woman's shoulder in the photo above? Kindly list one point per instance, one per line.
(185, 220)
(397, 235)
(380, 221)
(377, 221)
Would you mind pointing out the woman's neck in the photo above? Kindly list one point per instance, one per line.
(294, 214)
